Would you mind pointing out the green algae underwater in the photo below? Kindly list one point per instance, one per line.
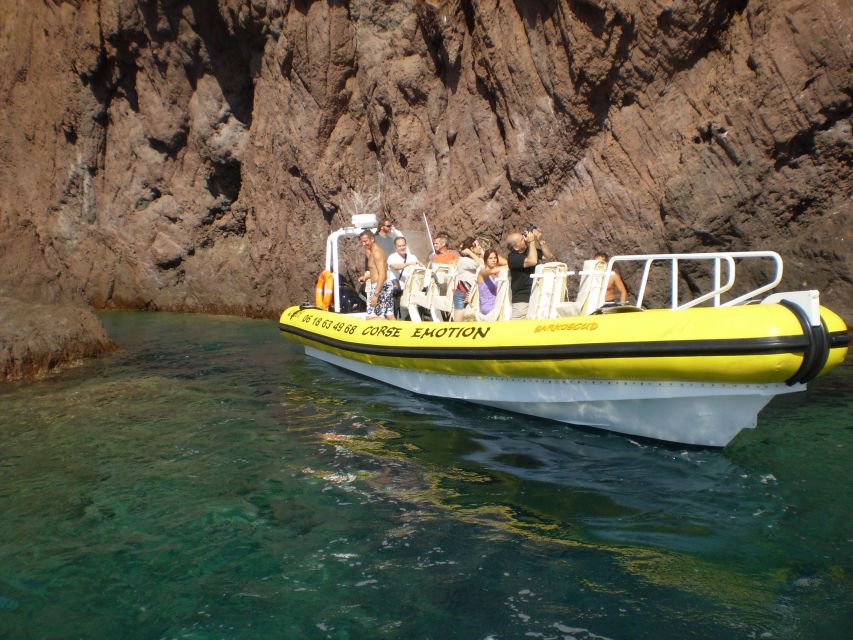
(209, 481)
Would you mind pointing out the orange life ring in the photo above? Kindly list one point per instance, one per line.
(324, 290)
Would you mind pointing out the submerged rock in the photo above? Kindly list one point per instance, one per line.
(37, 338)
(45, 323)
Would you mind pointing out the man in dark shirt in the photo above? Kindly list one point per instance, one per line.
(525, 252)
(385, 236)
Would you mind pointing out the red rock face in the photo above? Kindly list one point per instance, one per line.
(194, 155)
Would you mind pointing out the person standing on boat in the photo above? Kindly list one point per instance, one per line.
(443, 253)
(526, 250)
(400, 259)
(614, 283)
(378, 288)
(385, 236)
(397, 263)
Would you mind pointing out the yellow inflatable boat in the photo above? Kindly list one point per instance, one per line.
(687, 373)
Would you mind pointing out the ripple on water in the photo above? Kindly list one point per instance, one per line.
(208, 481)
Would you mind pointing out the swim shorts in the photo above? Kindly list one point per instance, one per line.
(385, 302)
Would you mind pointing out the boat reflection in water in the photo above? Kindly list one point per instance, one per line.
(691, 519)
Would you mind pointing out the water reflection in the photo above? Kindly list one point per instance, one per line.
(691, 519)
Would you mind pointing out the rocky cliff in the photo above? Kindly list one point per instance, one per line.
(194, 155)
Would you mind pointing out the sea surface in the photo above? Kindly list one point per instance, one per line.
(208, 481)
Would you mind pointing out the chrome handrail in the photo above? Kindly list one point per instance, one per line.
(720, 287)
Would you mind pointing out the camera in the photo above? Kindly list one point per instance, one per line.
(530, 228)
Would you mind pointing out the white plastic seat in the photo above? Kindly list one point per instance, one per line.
(417, 292)
(442, 285)
(548, 290)
(409, 285)
(591, 286)
(589, 291)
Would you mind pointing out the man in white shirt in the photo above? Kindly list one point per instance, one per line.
(400, 259)
(397, 263)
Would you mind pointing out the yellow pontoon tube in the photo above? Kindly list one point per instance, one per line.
(748, 344)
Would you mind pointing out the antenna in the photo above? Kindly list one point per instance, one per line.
(426, 224)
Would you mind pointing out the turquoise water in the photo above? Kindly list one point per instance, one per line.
(207, 481)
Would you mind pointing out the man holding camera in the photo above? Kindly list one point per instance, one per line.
(526, 250)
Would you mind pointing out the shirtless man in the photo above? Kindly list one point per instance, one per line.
(379, 291)
(614, 283)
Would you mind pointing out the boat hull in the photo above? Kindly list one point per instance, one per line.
(696, 377)
(694, 413)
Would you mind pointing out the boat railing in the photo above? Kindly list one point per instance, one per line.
(333, 257)
(723, 275)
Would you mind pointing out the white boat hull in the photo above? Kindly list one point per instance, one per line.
(694, 413)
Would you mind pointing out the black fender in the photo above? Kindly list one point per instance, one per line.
(817, 345)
